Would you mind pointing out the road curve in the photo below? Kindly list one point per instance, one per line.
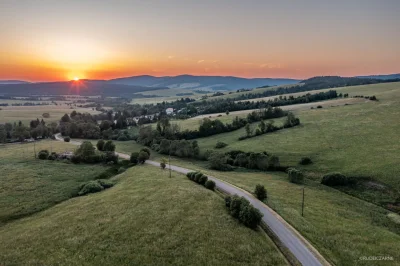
(289, 237)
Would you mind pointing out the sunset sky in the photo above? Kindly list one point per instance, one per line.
(59, 40)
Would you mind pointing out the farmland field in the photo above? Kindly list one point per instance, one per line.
(27, 113)
(147, 218)
(29, 185)
(357, 139)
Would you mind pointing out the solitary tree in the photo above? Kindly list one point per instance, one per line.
(248, 129)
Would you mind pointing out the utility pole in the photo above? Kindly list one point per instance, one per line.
(169, 160)
(302, 205)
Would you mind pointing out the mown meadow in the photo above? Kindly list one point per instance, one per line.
(29, 185)
(146, 218)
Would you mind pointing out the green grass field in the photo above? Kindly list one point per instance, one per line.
(165, 95)
(146, 219)
(357, 139)
(27, 113)
(29, 185)
(341, 227)
(259, 90)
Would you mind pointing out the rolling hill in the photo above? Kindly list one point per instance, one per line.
(202, 82)
(82, 87)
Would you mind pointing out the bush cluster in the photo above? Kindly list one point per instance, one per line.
(43, 154)
(241, 209)
(67, 139)
(105, 145)
(220, 145)
(295, 176)
(260, 192)
(335, 179)
(201, 179)
(87, 153)
(94, 186)
(261, 161)
(305, 161)
(219, 161)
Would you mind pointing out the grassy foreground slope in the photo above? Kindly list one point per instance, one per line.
(342, 228)
(359, 139)
(146, 219)
(29, 185)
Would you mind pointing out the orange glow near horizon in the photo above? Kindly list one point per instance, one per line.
(270, 39)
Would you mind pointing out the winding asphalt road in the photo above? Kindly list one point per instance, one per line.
(289, 237)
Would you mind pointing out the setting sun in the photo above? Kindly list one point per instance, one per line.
(76, 78)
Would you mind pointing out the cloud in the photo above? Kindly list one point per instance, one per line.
(171, 56)
(200, 61)
(215, 61)
(271, 66)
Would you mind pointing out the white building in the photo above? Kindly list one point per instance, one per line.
(169, 111)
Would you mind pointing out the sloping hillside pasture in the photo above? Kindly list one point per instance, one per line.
(357, 139)
(256, 90)
(29, 185)
(170, 92)
(341, 227)
(146, 219)
(27, 113)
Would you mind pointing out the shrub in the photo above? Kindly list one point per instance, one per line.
(143, 156)
(319, 106)
(76, 158)
(90, 187)
(273, 162)
(43, 154)
(203, 179)
(109, 146)
(218, 161)
(261, 192)
(134, 157)
(197, 177)
(241, 160)
(295, 176)
(111, 157)
(220, 145)
(236, 204)
(52, 157)
(163, 163)
(228, 200)
(334, 179)
(94, 158)
(210, 184)
(100, 145)
(145, 149)
(305, 161)
(189, 174)
(105, 183)
(67, 139)
(250, 216)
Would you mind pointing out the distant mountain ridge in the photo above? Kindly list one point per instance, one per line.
(384, 77)
(202, 82)
(82, 87)
(13, 82)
